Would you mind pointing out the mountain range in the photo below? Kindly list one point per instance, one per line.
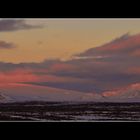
(38, 93)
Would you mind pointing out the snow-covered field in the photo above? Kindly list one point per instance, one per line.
(63, 111)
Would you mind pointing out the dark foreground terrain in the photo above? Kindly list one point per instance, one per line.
(66, 111)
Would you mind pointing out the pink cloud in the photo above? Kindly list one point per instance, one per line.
(116, 45)
(17, 75)
(136, 53)
(133, 70)
(61, 67)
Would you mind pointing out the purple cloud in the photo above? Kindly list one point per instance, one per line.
(8, 25)
(95, 74)
(7, 45)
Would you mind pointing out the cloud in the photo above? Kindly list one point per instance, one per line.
(122, 38)
(61, 67)
(112, 65)
(7, 45)
(40, 68)
(16, 76)
(133, 70)
(8, 25)
(119, 67)
(39, 43)
(124, 45)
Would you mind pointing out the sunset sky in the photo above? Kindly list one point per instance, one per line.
(60, 38)
(76, 58)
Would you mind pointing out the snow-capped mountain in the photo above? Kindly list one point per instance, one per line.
(127, 94)
(25, 92)
(2, 97)
(130, 93)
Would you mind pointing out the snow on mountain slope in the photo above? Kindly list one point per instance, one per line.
(25, 92)
(2, 97)
(129, 93)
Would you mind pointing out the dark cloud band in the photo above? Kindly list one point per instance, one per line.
(7, 25)
(7, 45)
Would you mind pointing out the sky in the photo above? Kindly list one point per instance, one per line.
(61, 38)
(81, 58)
